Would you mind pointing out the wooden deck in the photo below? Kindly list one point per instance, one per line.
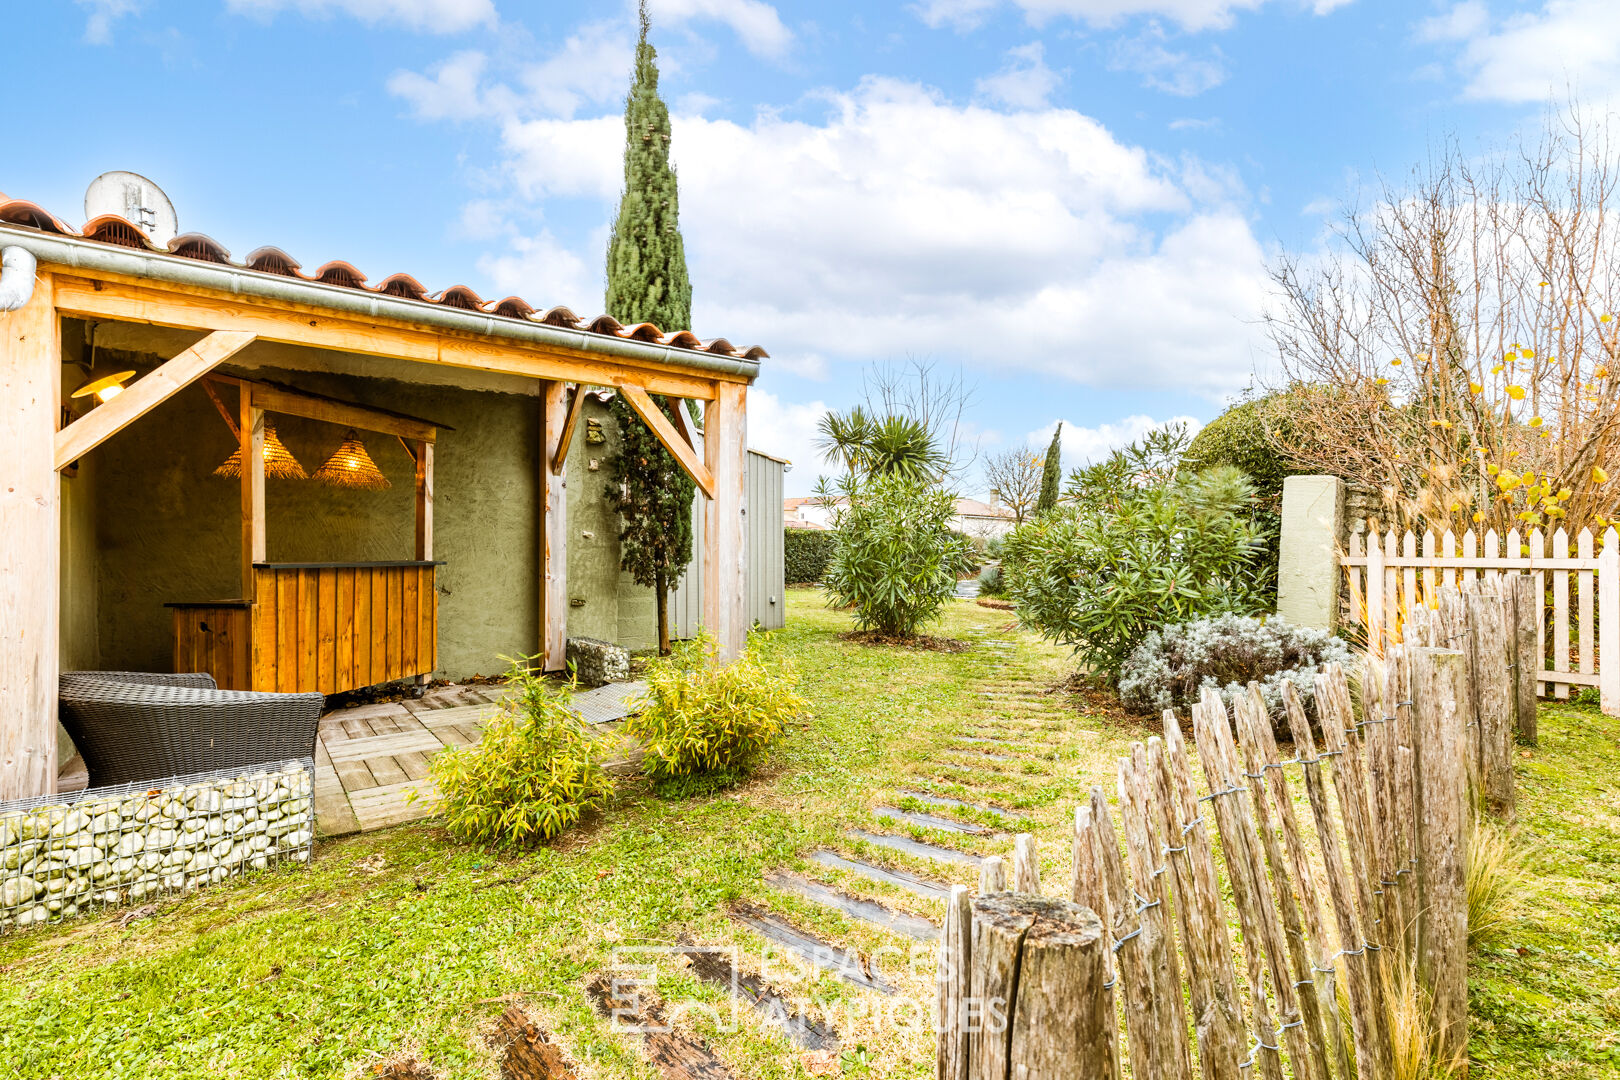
(369, 759)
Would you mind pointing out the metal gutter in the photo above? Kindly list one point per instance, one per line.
(93, 256)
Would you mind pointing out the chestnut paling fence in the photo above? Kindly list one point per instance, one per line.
(1577, 626)
(1341, 867)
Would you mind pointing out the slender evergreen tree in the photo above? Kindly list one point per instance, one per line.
(647, 282)
(1053, 476)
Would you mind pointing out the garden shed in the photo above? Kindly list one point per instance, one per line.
(448, 428)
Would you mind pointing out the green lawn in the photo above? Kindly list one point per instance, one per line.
(405, 941)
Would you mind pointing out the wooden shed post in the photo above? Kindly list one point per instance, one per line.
(30, 554)
(252, 443)
(553, 526)
(725, 535)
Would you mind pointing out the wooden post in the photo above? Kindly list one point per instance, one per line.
(1037, 974)
(251, 429)
(992, 875)
(1088, 888)
(30, 544)
(725, 539)
(1026, 865)
(553, 528)
(424, 499)
(1519, 592)
(954, 982)
(1439, 713)
(1493, 700)
(1608, 617)
(1149, 1047)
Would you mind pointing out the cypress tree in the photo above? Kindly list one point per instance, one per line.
(1052, 476)
(647, 282)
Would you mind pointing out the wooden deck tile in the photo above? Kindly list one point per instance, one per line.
(451, 717)
(387, 806)
(386, 771)
(354, 775)
(383, 746)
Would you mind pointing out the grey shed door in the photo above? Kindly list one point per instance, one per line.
(766, 565)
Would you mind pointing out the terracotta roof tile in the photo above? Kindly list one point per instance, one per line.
(272, 260)
(338, 272)
(404, 286)
(115, 230)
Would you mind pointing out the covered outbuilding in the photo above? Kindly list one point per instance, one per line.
(121, 545)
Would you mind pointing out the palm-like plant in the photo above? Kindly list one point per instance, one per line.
(892, 445)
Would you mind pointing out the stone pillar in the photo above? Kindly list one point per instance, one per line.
(1308, 571)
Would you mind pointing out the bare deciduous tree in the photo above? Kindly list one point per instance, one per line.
(1456, 348)
(1014, 477)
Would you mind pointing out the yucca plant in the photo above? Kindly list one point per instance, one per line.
(536, 769)
(701, 718)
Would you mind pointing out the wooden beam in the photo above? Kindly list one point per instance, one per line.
(553, 529)
(725, 537)
(224, 413)
(131, 300)
(30, 553)
(291, 403)
(683, 426)
(559, 456)
(422, 453)
(661, 427)
(252, 445)
(146, 394)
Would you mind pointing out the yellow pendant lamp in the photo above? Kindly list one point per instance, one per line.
(105, 388)
(351, 467)
(279, 464)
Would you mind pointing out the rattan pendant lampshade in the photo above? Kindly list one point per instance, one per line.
(351, 467)
(279, 464)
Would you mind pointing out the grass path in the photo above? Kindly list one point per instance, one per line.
(406, 941)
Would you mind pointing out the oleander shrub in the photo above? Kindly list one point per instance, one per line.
(1137, 545)
(536, 769)
(806, 553)
(1171, 667)
(897, 561)
(705, 724)
(991, 582)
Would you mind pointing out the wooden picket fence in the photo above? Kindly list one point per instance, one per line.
(1579, 645)
(1343, 910)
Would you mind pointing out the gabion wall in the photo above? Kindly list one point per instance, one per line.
(62, 856)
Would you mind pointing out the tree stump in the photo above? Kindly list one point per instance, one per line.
(1037, 973)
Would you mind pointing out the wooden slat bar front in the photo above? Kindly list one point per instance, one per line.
(328, 627)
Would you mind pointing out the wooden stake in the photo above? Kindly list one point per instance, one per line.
(992, 875)
(1089, 889)
(1372, 1052)
(1149, 1048)
(1526, 664)
(1143, 848)
(1026, 865)
(1493, 700)
(1439, 714)
(953, 984)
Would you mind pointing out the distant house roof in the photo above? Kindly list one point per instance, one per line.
(119, 232)
(975, 508)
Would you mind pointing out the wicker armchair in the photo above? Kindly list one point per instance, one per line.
(132, 727)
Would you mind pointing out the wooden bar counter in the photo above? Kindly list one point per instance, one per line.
(329, 627)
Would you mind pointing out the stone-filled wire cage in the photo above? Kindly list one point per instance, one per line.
(62, 856)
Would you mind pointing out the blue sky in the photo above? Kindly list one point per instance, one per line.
(1072, 201)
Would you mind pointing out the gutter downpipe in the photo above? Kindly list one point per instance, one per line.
(17, 272)
(90, 255)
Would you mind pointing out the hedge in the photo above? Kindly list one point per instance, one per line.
(806, 553)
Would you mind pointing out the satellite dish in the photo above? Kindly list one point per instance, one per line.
(136, 199)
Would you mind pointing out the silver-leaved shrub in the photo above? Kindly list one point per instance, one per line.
(1171, 667)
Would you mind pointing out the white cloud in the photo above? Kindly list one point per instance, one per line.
(1025, 82)
(1193, 123)
(592, 67)
(452, 90)
(756, 23)
(1164, 69)
(1082, 445)
(427, 16)
(103, 13)
(788, 430)
(1187, 14)
(1529, 56)
(545, 273)
(901, 223)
